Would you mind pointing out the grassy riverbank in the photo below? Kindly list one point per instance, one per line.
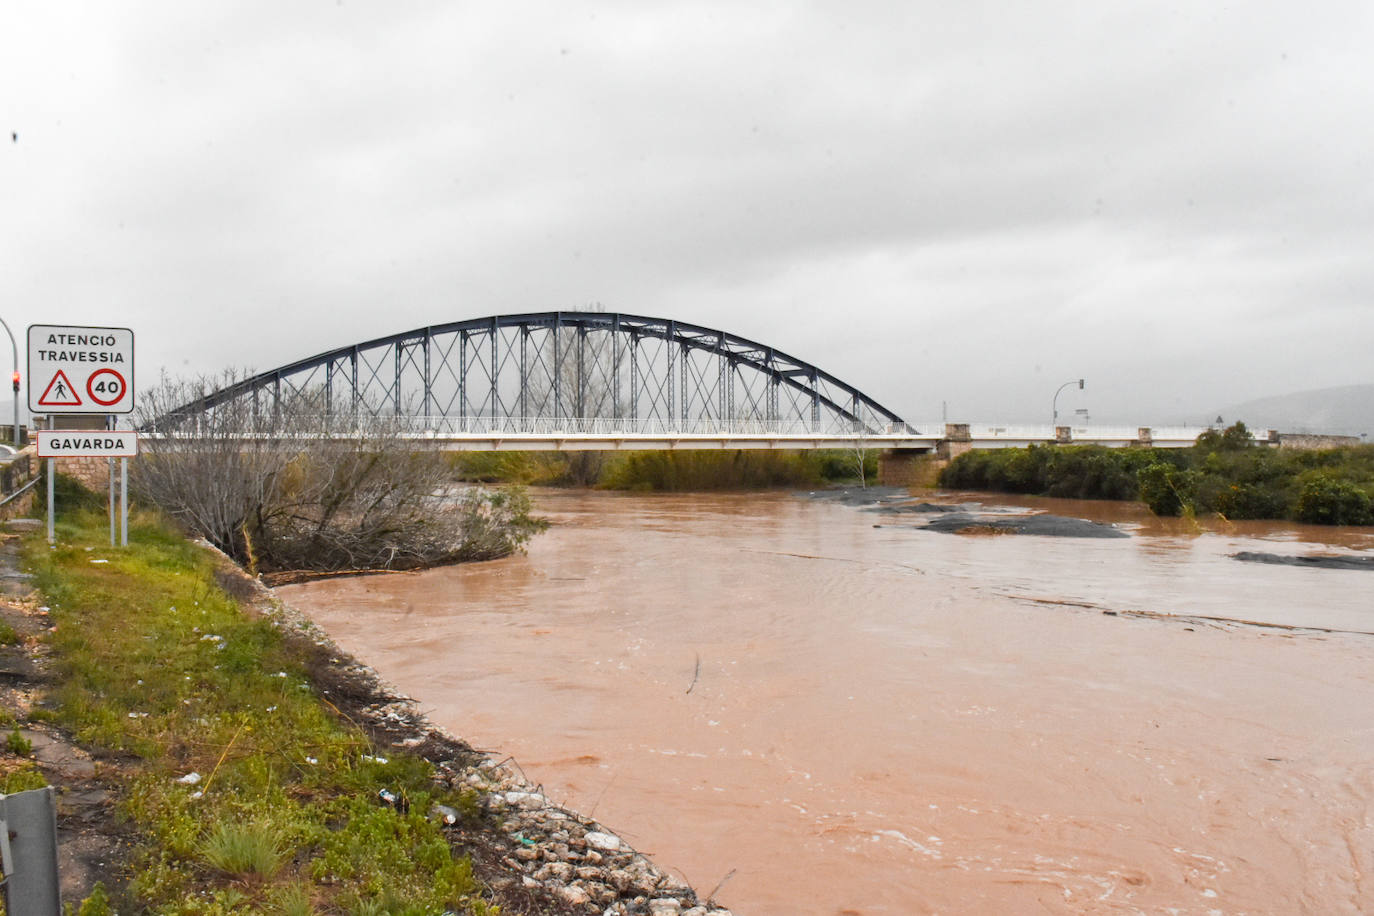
(1223, 474)
(671, 471)
(241, 788)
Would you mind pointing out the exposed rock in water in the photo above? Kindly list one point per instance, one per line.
(1319, 562)
(921, 508)
(1044, 525)
(858, 496)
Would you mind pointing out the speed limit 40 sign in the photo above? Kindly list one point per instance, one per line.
(80, 370)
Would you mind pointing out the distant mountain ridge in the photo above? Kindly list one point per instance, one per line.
(1347, 410)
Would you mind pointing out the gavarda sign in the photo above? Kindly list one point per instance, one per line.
(70, 443)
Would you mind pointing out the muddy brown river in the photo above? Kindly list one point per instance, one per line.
(853, 719)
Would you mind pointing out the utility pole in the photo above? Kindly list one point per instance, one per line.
(14, 378)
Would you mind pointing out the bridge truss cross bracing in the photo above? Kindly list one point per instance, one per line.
(584, 376)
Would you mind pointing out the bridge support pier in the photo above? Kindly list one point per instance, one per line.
(957, 440)
(908, 467)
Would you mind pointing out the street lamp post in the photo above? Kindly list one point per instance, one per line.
(14, 378)
(1055, 403)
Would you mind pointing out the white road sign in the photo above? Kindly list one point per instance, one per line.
(80, 370)
(78, 443)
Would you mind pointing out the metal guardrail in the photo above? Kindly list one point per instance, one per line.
(20, 492)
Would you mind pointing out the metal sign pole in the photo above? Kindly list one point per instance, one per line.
(52, 469)
(110, 424)
(124, 502)
(112, 500)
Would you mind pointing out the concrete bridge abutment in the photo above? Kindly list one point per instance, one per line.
(909, 467)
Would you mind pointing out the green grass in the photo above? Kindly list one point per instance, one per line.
(159, 664)
(16, 743)
(245, 850)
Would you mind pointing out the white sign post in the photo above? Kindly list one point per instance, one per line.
(83, 370)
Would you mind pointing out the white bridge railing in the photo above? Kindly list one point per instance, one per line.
(459, 429)
(553, 427)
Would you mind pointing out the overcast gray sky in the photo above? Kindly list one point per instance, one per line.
(938, 202)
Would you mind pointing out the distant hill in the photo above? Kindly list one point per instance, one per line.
(1348, 410)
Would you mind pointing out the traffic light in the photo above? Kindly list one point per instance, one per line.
(15, 378)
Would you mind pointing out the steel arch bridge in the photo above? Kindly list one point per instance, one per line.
(571, 380)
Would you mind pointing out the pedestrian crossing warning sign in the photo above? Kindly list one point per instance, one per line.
(60, 393)
(80, 369)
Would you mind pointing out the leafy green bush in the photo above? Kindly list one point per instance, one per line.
(1327, 500)
(1224, 473)
(1167, 490)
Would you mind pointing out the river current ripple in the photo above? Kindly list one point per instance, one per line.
(854, 716)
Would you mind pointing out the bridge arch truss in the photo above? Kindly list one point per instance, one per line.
(579, 373)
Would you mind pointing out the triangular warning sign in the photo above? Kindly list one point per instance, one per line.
(60, 393)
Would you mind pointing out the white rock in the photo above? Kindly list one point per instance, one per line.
(600, 840)
(525, 799)
(664, 906)
(574, 895)
(189, 779)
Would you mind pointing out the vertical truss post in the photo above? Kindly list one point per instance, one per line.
(524, 375)
(557, 365)
(686, 359)
(615, 366)
(581, 373)
(720, 381)
(770, 392)
(733, 372)
(353, 357)
(429, 382)
(276, 400)
(815, 401)
(634, 375)
(463, 378)
(495, 366)
(670, 344)
(397, 348)
(328, 393)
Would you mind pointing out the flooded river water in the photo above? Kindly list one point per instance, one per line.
(855, 716)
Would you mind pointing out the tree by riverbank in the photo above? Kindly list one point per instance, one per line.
(1224, 473)
(284, 494)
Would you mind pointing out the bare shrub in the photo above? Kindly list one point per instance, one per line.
(291, 488)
